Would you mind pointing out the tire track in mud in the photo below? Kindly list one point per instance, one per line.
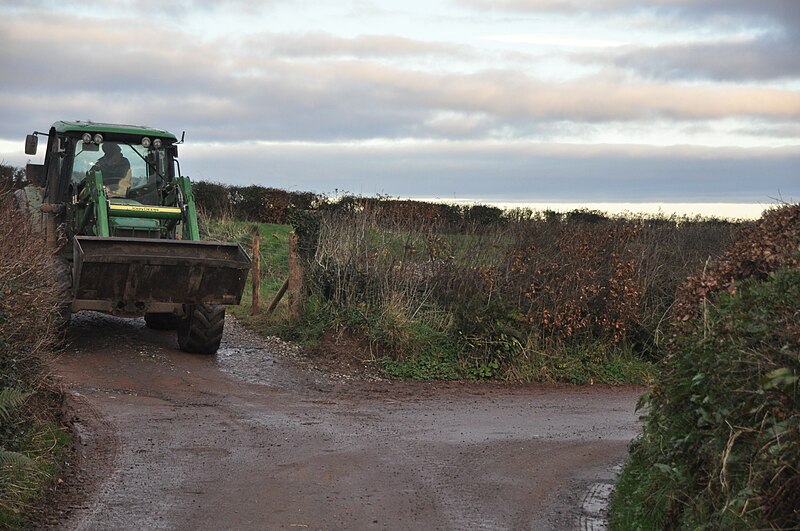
(252, 440)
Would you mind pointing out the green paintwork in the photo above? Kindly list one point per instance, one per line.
(151, 225)
(193, 232)
(101, 205)
(125, 257)
(94, 127)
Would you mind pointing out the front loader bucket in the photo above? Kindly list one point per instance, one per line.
(140, 274)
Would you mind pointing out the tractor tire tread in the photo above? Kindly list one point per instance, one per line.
(200, 330)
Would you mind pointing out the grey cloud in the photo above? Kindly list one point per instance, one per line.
(787, 131)
(763, 59)
(780, 10)
(782, 13)
(322, 44)
(772, 54)
(503, 172)
(223, 90)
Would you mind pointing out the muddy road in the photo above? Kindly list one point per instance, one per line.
(255, 439)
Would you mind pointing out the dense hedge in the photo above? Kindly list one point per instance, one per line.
(491, 297)
(271, 205)
(27, 297)
(761, 248)
(721, 443)
(30, 438)
(721, 446)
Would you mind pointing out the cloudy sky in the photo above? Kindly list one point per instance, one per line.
(527, 100)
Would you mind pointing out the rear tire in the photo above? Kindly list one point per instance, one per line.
(200, 328)
(161, 321)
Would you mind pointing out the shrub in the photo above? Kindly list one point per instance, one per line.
(721, 444)
(29, 435)
(760, 249)
(251, 203)
(504, 293)
(27, 298)
(272, 205)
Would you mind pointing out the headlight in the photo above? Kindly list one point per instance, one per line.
(157, 143)
(145, 142)
(98, 138)
(87, 138)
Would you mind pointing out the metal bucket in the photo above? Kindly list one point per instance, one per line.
(135, 274)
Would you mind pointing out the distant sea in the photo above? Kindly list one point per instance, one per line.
(718, 210)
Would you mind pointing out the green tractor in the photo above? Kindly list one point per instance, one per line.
(121, 220)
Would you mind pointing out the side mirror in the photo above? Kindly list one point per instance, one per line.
(31, 143)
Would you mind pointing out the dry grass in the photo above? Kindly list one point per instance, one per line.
(509, 291)
(30, 439)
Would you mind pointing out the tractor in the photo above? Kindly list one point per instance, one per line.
(111, 204)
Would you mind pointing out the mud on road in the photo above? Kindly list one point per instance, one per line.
(255, 439)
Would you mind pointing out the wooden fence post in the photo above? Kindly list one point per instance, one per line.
(296, 275)
(278, 297)
(256, 269)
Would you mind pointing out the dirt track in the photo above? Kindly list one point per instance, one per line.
(249, 440)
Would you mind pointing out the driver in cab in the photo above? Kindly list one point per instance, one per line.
(116, 169)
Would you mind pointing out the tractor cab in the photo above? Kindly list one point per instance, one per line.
(132, 166)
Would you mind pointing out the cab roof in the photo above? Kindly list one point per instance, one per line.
(96, 127)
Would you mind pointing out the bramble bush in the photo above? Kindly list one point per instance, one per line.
(509, 294)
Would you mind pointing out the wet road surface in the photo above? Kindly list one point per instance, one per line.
(249, 440)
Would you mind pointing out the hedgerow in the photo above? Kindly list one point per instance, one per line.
(521, 298)
(721, 442)
(30, 436)
(273, 205)
(721, 445)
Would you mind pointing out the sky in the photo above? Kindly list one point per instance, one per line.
(590, 101)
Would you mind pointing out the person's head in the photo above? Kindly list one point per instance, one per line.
(111, 149)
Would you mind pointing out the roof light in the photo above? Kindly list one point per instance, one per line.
(98, 138)
(157, 143)
(145, 142)
(87, 138)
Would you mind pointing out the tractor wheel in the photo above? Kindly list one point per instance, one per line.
(161, 321)
(200, 328)
(63, 275)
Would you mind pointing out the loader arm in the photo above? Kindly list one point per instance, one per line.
(124, 275)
